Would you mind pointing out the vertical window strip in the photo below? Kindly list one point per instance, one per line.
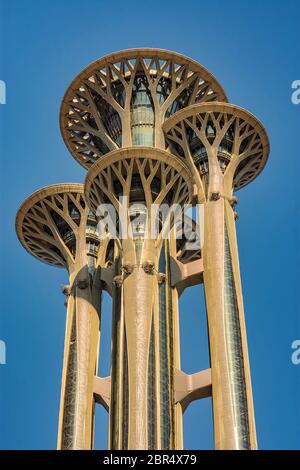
(68, 427)
(142, 114)
(138, 243)
(152, 437)
(125, 417)
(116, 364)
(235, 351)
(171, 343)
(165, 404)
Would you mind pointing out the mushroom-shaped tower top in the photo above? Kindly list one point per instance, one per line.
(122, 100)
(141, 174)
(49, 225)
(219, 132)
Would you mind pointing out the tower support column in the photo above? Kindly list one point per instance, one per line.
(226, 147)
(234, 426)
(138, 297)
(146, 306)
(76, 421)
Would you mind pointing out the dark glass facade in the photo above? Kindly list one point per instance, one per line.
(70, 391)
(125, 417)
(235, 351)
(165, 340)
(142, 114)
(152, 398)
(117, 363)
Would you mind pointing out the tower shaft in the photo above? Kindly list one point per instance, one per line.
(76, 418)
(143, 357)
(79, 369)
(145, 352)
(234, 426)
(226, 147)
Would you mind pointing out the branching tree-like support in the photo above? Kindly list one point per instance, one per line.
(159, 177)
(101, 110)
(56, 226)
(226, 148)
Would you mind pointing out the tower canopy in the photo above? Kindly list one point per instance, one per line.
(122, 100)
(225, 131)
(49, 224)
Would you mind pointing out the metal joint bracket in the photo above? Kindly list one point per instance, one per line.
(161, 278)
(148, 267)
(188, 388)
(127, 268)
(102, 391)
(66, 290)
(118, 281)
(233, 201)
(215, 196)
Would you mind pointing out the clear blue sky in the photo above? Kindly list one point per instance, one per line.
(253, 48)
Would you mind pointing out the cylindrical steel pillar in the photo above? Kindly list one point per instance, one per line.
(232, 405)
(226, 147)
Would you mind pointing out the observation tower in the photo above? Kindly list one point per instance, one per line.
(153, 129)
